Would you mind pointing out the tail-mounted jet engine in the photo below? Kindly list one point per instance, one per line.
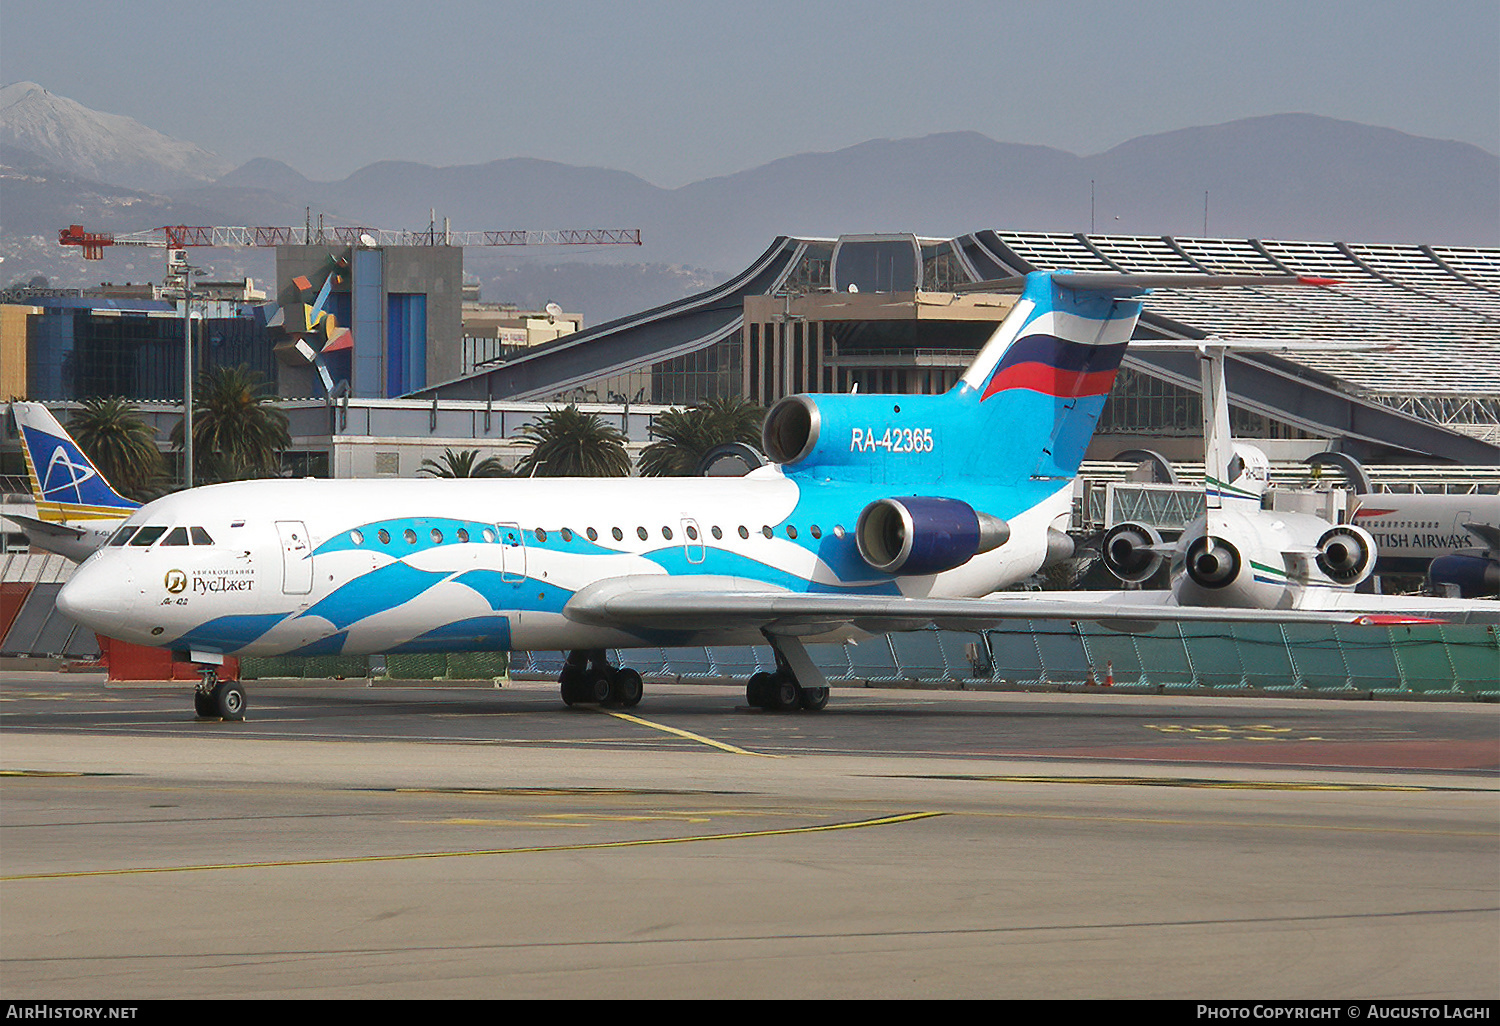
(1131, 552)
(917, 535)
(1212, 562)
(1346, 554)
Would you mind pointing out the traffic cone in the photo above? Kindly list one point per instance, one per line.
(1091, 682)
(1109, 674)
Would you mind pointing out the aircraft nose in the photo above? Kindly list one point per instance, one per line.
(96, 597)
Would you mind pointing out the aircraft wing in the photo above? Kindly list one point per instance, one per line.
(710, 603)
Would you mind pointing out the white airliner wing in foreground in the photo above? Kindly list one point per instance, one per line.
(709, 605)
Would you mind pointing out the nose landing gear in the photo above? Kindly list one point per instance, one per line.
(216, 699)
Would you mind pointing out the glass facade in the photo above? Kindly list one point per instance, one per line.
(84, 354)
(1142, 404)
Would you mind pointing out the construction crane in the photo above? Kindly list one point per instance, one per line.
(180, 236)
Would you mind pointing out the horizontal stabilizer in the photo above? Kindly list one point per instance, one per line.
(1099, 281)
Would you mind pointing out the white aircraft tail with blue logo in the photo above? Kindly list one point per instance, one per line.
(76, 506)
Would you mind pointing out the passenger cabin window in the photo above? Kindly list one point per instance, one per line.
(176, 536)
(146, 536)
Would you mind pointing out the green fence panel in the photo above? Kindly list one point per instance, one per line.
(1164, 657)
(648, 662)
(1013, 656)
(477, 665)
(324, 667)
(1112, 653)
(416, 666)
(1371, 659)
(967, 653)
(872, 659)
(1264, 656)
(270, 667)
(919, 656)
(742, 661)
(688, 662)
(1214, 653)
(1061, 651)
(833, 660)
(1422, 658)
(1318, 659)
(1475, 651)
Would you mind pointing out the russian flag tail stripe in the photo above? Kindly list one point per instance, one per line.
(1053, 381)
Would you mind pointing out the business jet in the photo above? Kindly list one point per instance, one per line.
(1453, 539)
(878, 513)
(77, 509)
(1238, 555)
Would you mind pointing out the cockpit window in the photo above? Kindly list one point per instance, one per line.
(123, 535)
(176, 536)
(200, 536)
(146, 536)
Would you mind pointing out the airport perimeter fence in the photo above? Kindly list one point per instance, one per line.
(1412, 659)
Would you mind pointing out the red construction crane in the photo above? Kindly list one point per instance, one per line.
(179, 236)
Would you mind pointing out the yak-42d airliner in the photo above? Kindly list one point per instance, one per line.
(77, 509)
(880, 513)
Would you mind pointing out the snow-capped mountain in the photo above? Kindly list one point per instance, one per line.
(109, 148)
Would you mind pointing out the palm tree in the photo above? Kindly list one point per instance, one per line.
(237, 433)
(113, 434)
(465, 463)
(686, 436)
(568, 443)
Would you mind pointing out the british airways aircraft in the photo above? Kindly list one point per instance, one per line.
(879, 513)
(77, 509)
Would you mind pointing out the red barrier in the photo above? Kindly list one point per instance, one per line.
(125, 661)
(12, 598)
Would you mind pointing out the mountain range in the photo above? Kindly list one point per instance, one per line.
(1290, 176)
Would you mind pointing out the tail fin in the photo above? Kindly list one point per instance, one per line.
(1235, 476)
(64, 482)
(1043, 377)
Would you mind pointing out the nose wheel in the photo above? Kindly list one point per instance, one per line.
(214, 699)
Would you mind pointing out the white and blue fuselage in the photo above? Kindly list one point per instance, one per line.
(312, 567)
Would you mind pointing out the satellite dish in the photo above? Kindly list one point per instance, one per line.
(553, 312)
(366, 239)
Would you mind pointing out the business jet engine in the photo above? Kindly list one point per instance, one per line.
(1212, 563)
(1132, 552)
(1346, 554)
(918, 535)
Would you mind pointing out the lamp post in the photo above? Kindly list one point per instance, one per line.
(179, 267)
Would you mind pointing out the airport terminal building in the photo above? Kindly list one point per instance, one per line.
(877, 313)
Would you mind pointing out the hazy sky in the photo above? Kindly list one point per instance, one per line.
(675, 91)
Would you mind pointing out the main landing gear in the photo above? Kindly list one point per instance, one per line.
(796, 684)
(588, 678)
(214, 699)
